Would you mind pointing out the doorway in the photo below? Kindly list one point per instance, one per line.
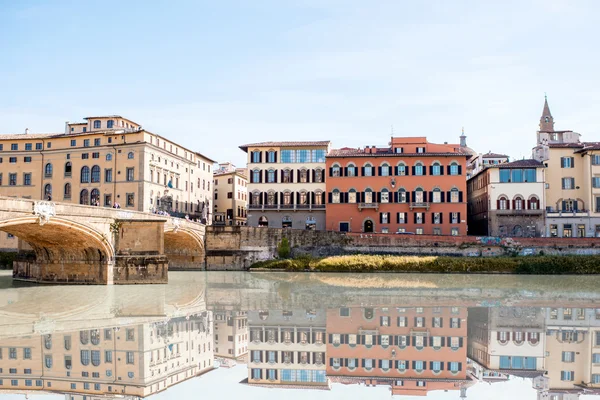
(368, 226)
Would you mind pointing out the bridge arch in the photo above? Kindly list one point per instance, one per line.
(62, 250)
(184, 248)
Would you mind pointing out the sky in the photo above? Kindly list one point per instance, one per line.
(224, 383)
(213, 75)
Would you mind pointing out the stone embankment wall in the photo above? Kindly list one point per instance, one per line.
(237, 247)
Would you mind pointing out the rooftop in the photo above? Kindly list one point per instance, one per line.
(494, 155)
(528, 163)
(286, 144)
(386, 152)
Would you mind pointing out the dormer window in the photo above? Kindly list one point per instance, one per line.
(420, 149)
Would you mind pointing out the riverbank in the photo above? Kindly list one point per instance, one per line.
(537, 265)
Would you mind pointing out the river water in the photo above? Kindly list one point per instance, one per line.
(330, 336)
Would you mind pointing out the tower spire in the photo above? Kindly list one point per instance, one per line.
(463, 138)
(546, 121)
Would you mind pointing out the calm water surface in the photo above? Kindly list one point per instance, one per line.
(330, 336)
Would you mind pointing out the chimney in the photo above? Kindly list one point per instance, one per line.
(27, 131)
(66, 127)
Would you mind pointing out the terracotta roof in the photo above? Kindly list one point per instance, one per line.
(589, 146)
(106, 116)
(78, 123)
(285, 144)
(555, 131)
(529, 163)
(385, 152)
(29, 136)
(494, 155)
(565, 145)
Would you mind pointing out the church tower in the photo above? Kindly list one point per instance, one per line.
(546, 121)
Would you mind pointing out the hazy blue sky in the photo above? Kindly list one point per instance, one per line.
(216, 74)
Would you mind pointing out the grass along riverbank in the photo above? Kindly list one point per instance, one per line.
(539, 265)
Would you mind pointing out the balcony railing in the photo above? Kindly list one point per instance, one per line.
(565, 213)
(279, 207)
(419, 204)
(362, 206)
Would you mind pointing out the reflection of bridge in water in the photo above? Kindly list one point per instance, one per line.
(67, 243)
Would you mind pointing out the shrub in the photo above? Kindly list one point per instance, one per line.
(283, 249)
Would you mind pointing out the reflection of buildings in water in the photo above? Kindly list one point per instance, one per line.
(572, 353)
(287, 347)
(134, 360)
(231, 334)
(414, 350)
(507, 339)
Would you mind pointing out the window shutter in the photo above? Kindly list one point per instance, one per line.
(442, 197)
(460, 366)
(378, 197)
(388, 217)
(390, 170)
(415, 221)
(431, 197)
(362, 171)
(312, 179)
(448, 169)
(441, 170)
(460, 169)
(529, 204)
(459, 223)
(414, 197)
(498, 204)
(260, 156)
(373, 170)
(380, 363)
(345, 171)
(424, 169)
(562, 162)
(431, 365)
(330, 171)
(460, 197)
(413, 170)
(431, 170)
(380, 218)
(441, 218)
(363, 363)
(460, 340)
(275, 155)
(379, 174)
(432, 221)
(414, 365)
(443, 341)
(572, 162)
(395, 197)
(408, 197)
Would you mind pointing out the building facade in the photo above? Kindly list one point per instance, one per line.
(286, 185)
(507, 199)
(230, 195)
(107, 160)
(414, 350)
(287, 347)
(481, 161)
(572, 180)
(231, 334)
(411, 186)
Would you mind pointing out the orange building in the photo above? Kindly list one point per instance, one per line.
(411, 186)
(415, 350)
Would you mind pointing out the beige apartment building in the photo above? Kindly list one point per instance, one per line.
(572, 180)
(107, 160)
(286, 185)
(135, 360)
(231, 334)
(230, 195)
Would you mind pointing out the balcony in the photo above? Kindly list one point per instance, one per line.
(552, 213)
(420, 204)
(519, 212)
(285, 207)
(373, 206)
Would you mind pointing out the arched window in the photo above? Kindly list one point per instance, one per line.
(318, 198)
(419, 195)
(95, 197)
(368, 168)
(518, 338)
(419, 169)
(48, 191)
(95, 174)
(48, 341)
(303, 176)
(335, 170)
(97, 124)
(68, 169)
(84, 197)
(437, 195)
(351, 169)
(401, 169)
(110, 123)
(318, 175)
(503, 203)
(368, 196)
(534, 203)
(518, 203)
(271, 198)
(351, 195)
(95, 334)
(335, 196)
(256, 198)
(271, 156)
(385, 169)
(256, 176)
(85, 174)
(401, 195)
(454, 168)
(130, 155)
(67, 194)
(271, 176)
(256, 156)
(436, 169)
(109, 156)
(385, 195)
(454, 195)
(84, 337)
(48, 170)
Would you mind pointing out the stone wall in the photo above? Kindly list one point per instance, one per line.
(140, 269)
(237, 247)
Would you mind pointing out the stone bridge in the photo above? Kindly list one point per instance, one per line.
(70, 243)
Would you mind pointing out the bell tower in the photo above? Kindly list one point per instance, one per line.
(546, 121)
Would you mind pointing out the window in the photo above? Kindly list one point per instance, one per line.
(109, 124)
(12, 179)
(351, 170)
(108, 175)
(48, 170)
(454, 169)
(12, 353)
(130, 155)
(95, 155)
(567, 376)
(48, 191)
(401, 170)
(27, 179)
(255, 156)
(85, 174)
(271, 176)
(12, 160)
(402, 196)
(109, 156)
(95, 358)
(38, 146)
(130, 357)
(95, 174)
(130, 176)
(108, 356)
(27, 353)
(130, 200)
(97, 124)
(335, 196)
(85, 156)
(84, 197)
(568, 183)
(385, 196)
(419, 169)
(568, 356)
(436, 169)
(368, 170)
(318, 176)
(48, 361)
(86, 142)
(385, 170)
(567, 162)
(14, 146)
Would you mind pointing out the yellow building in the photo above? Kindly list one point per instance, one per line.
(572, 188)
(103, 161)
(230, 195)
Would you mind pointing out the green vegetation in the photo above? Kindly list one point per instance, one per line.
(536, 265)
(283, 249)
(6, 259)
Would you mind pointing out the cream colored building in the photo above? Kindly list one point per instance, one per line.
(287, 347)
(107, 160)
(572, 180)
(286, 185)
(507, 199)
(481, 161)
(230, 195)
(231, 334)
(134, 360)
